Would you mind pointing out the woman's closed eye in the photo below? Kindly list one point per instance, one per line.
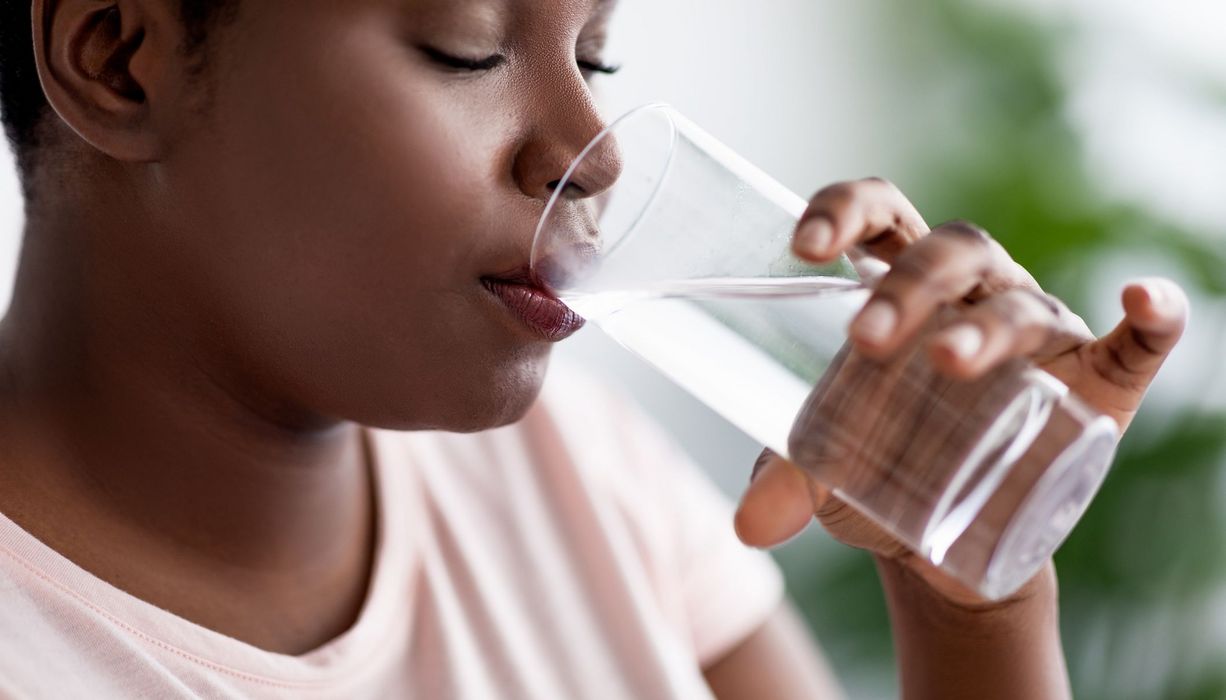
(588, 67)
(447, 60)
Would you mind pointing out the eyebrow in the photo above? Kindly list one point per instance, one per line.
(441, 14)
(603, 6)
(598, 7)
(601, 11)
(493, 13)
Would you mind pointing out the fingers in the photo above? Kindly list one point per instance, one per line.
(944, 267)
(782, 500)
(872, 212)
(1016, 323)
(958, 262)
(1155, 315)
(777, 504)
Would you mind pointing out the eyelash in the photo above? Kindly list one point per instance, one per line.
(460, 63)
(597, 67)
(492, 62)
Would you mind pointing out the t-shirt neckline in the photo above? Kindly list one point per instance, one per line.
(384, 607)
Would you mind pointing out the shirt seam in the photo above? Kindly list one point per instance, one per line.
(347, 674)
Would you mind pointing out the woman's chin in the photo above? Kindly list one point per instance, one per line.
(473, 397)
(501, 399)
(507, 401)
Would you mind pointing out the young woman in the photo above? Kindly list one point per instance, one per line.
(268, 430)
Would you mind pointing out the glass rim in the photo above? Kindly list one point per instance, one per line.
(669, 113)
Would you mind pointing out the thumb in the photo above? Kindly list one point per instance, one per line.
(776, 506)
(1128, 358)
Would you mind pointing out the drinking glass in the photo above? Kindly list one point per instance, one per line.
(686, 261)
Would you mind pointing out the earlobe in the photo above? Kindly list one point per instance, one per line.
(89, 55)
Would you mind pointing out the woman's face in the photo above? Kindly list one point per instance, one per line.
(333, 209)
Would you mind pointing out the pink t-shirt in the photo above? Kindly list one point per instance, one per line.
(576, 554)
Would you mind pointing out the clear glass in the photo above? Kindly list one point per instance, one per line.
(685, 260)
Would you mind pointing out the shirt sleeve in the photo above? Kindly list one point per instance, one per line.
(726, 589)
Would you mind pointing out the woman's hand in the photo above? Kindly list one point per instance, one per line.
(1003, 313)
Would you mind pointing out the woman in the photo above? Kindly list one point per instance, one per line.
(263, 236)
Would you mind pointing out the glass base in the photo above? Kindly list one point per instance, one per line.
(1047, 516)
(984, 478)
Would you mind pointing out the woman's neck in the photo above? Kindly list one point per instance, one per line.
(131, 451)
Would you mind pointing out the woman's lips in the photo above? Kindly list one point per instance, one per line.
(539, 310)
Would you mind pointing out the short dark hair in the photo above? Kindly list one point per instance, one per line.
(22, 101)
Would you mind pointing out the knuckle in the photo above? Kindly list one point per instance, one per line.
(946, 287)
(877, 181)
(965, 233)
(1021, 310)
(1143, 342)
(1109, 362)
(1045, 302)
(834, 513)
(927, 264)
(839, 192)
(914, 266)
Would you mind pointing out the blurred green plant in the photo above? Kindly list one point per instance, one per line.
(1143, 577)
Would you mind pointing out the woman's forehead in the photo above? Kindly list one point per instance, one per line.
(492, 10)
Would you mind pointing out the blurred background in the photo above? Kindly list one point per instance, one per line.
(1089, 137)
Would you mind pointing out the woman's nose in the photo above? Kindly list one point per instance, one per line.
(544, 158)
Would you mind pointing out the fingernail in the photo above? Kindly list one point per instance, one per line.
(763, 458)
(815, 236)
(964, 340)
(1157, 295)
(876, 322)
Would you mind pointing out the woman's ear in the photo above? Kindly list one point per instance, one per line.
(108, 67)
